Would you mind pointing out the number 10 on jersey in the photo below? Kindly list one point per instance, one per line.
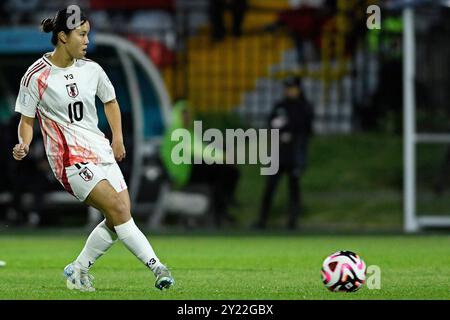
(75, 111)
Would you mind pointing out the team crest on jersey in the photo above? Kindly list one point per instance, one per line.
(86, 174)
(72, 90)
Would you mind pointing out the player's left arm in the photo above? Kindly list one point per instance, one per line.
(112, 112)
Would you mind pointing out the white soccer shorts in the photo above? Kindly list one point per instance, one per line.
(83, 177)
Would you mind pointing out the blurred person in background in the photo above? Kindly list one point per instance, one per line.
(222, 179)
(21, 11)
(383, 110)
(304, 20)
(33, 175)
(217, 9)
(293, 116)
(60, 88)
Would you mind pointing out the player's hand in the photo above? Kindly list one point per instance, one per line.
(20, 151)
(119, 150)
(278, 122)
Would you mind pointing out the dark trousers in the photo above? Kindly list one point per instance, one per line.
(217, 10)
(294, 196)
(222, 180)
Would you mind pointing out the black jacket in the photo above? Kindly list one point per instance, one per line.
(295, 132)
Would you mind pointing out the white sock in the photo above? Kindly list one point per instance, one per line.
(137, 243)
(98, 242)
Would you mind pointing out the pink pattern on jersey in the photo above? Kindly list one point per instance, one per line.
(65, 158)
(59, 153)
(55, 147)
(51, 145)
(42, 82)
(47, 130)
(79, 153)
(56, 150)
(73, 153)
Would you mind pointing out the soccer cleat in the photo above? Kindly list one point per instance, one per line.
(164, 279)
(78, 279)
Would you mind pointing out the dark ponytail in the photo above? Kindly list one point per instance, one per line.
(47, 25)
(59, 23)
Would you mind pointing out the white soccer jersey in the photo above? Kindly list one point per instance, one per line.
(64, 101)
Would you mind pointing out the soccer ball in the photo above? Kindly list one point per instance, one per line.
(343, 271)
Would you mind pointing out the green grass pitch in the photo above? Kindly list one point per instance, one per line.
(280, 267)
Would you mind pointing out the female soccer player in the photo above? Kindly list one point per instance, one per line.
(60, 88)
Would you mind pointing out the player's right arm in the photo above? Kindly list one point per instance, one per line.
(26, 104)
(25, 135)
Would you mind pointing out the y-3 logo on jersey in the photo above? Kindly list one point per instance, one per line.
(68, 76)
(72, 90)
